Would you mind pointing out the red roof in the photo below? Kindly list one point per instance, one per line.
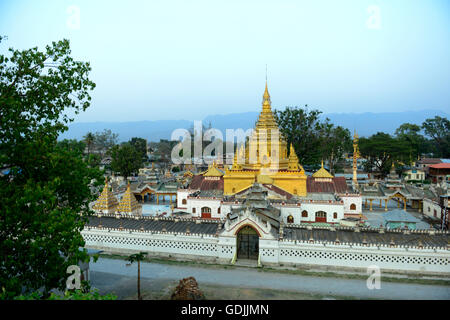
(206, 183)
(441, 166)
(336, 185)
(430, 161)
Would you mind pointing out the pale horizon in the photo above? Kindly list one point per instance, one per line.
(175, 60)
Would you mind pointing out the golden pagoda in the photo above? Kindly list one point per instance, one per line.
(128, 204)
(265, 159)
(107, 202)
(322, 173)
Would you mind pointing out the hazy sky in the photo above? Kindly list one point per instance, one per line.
(156, 60)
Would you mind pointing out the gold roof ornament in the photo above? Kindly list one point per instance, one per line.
(213, 171)
(107, 202)
(293, 164)
(322, 173)
(128, 203)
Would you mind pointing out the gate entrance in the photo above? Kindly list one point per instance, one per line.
(247, 243)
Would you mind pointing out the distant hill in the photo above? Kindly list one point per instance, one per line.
(366, 124)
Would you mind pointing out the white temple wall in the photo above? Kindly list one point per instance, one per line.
(430, 207)
(348, 201)
(182, 195)
(312, 208)
(198, 204)
(358, 256)
(157, 243)
(272, 252)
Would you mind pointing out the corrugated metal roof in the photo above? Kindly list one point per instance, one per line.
(169, 225)
(370, 237)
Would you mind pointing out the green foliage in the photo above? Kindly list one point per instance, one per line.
(312, 138)
(72, 144)
(140, 145)
(104, 141)
(438, 129)
(125, 159)
(68, 295)
(89, 141)
(381, 150)
(137, 257)
(45, 194)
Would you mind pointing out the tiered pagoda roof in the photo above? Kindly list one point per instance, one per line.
(129, 204)
(107, 202)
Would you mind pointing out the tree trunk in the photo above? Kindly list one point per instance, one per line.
(139, 281)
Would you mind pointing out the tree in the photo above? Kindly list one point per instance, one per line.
(140, 145)
(312, 138)
(302, 127)
(335, 141)
(89, 140)
(380, 150)
(438, 129)
(409, 134)
(138, 257)
(72, 144)
(104, 141)
(46, 189)
(125, 159)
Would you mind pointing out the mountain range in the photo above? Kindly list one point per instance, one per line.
(365, 124)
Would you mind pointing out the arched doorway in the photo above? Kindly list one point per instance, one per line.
(321, 216)
(206, 212)
(247, 243)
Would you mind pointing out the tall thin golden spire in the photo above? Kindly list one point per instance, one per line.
(266, 97)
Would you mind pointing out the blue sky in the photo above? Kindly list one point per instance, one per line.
(155, 60)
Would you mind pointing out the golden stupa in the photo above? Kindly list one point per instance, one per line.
(128, 204)
(265, 159)
(107, 202)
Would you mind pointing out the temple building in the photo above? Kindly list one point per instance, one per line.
(265, 159)
(265, 165)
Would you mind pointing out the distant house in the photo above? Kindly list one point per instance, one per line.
(439, 172)
(414, 175)
(425, 163)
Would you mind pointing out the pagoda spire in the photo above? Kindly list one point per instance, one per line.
(107, 202)
(266, 100)
(128, 204)
(293, 164)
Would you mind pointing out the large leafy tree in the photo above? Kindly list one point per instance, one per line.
(89, 141)
(104, 141)
(125, 159)
(45, 186)
(380, 150)
(140, 145)
(438, 129)
(335, 141)
(414, 142)
(302, 128)
(313, 139)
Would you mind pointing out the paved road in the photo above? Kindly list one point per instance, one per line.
(248, 277)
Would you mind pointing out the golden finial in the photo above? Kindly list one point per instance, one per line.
(266, 96)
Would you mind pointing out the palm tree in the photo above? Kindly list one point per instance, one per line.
(89, 140)
(138, 257)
